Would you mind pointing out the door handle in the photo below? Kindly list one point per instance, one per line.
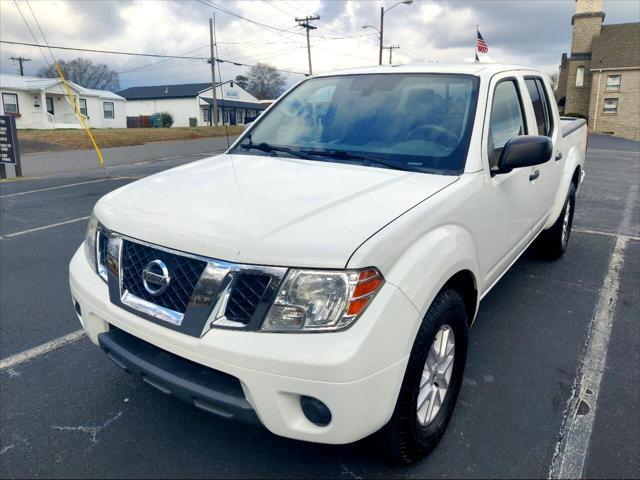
(535, 174)
(559, 156)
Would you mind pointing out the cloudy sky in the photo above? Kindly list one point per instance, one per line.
(530, 32)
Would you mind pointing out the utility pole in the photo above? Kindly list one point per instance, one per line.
(304, 23)
(20, 60)
(391, 49)
(214, 120)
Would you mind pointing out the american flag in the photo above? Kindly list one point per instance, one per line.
(481, 45)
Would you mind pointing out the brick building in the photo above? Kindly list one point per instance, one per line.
(601, 77)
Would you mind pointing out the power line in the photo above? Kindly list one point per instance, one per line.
(135, 54)
(260, 24)
(92, 50)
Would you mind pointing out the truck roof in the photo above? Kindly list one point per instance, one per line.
(469, 68)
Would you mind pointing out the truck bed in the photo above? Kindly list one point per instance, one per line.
(571, 124)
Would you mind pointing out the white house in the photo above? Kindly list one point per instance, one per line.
(38, 102)
(236, 106)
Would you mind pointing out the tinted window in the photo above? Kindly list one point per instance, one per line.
(507, 120)
(419, 122)
(541, 106)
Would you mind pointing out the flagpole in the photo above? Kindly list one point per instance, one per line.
(476, 43)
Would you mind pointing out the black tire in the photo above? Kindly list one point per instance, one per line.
(552, 243)
(405, 439)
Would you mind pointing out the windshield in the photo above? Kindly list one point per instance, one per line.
(416, 122)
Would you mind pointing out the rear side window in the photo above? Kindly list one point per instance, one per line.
(541, 107)
(507, 119)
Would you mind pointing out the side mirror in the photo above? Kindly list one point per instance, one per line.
(525, 151)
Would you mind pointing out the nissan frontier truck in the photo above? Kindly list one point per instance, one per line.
(320, 277)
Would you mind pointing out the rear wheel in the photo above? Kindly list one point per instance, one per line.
(432, 381)
(553, 242)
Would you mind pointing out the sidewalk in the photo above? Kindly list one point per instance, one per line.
(86, 161)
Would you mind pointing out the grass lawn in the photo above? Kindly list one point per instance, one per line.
(72, 139)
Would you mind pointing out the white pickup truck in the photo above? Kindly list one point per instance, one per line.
(319, 278)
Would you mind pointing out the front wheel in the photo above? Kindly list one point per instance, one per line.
(431, 382)
(553, 242)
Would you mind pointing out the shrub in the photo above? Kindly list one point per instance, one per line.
(162, 119)
(166, 119)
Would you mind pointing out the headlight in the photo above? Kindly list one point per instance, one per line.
(90, 241)
(317, 300)
(95, 247)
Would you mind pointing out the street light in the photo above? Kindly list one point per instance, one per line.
(381, 29)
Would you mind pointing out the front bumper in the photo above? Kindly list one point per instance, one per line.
(356, 373)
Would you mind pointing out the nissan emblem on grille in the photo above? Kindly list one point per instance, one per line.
(155, 277)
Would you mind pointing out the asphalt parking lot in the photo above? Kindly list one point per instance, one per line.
(72, 413)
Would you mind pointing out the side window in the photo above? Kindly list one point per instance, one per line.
(506, 121)
(541, 107)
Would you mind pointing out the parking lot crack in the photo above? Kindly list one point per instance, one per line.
(346, 472)
(6, 449)
(92, 431)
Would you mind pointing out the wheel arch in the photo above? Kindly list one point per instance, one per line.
(570, 175)
(465, 284)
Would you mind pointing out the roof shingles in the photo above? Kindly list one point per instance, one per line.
(617, 46)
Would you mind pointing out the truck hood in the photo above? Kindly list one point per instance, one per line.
(266, 210)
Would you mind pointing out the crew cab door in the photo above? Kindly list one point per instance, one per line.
(542, 121)
(510, 198)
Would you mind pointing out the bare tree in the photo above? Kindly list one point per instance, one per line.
(85, 73)
(265, 82)
(553, 78)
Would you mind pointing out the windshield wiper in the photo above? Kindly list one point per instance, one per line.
(265, 147)
(360, 157)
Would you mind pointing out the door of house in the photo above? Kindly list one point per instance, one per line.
(49, 101)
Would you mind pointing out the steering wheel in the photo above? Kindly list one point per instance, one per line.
(433, 132)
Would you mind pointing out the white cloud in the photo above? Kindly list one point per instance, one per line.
(525, 32)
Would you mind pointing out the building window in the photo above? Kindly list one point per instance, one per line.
(613, 82)
(610, 105)
(49, 105)
(108, 109)
(207, 115)
(83, 106)
(10, 103)
(580, 76)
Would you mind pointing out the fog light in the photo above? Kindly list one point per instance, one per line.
(76, 305)
(315, 411)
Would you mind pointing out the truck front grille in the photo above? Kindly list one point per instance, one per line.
(247, 291)
(184, 272)
(201, 293)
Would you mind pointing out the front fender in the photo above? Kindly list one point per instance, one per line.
(421, 275)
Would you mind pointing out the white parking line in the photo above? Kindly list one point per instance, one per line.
(35, 352)
(23, 232)
(575, 435)
(65, 186)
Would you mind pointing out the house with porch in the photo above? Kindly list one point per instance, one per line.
(192, 103)
(37, 102)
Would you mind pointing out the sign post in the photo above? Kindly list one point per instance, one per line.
(9, 148)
